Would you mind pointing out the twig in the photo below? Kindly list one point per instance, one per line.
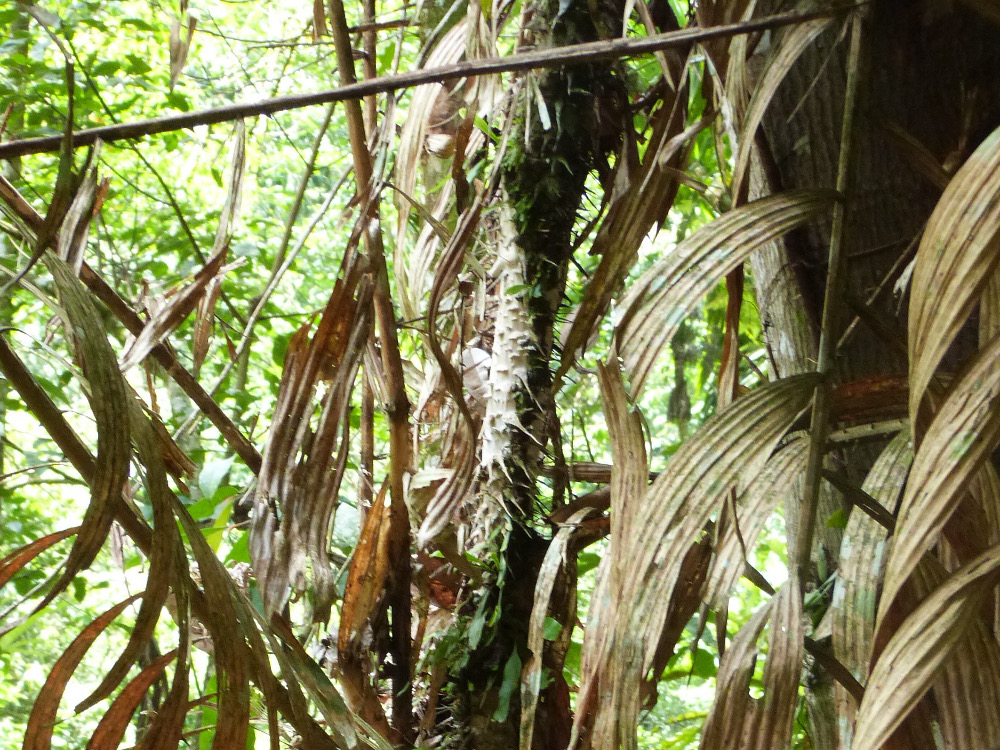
(575, 54)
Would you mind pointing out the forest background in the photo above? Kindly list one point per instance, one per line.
(625, 376)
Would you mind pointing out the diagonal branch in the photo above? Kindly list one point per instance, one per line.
(574, 54)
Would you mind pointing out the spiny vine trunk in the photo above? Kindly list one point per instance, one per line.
(559, 144)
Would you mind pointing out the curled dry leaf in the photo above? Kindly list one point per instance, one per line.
(793, 43)
(111, 728)
(298, 485)
(918, 650)
(957, 256)
(164, 555)
(641, 196)
(531, 674)
(657, 304)
(109, 398)
(739, 722)
(17, 559)
(862, 563)
(755, 505)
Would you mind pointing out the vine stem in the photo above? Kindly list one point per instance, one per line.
(828, 336)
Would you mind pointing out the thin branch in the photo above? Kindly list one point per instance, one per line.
(397, 405)
(828, 336)
(575, 54)
(131, 320)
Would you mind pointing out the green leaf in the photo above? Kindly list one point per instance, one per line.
(511, 680)
(552, 628)
(212, 474)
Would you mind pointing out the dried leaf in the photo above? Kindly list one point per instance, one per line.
(111, 729)
(298, 485)
(17, 559)
(754, 507)
(531, 673)
(41, 722)
(965, 430)
(740, 722)
(172, 314)
(220, 614)
(164, 556)
(862, 562)
(180, 46)
(957, 256)
(918, 650)
(667, 293)
(793, 43)
(109, 400)
(731, 446)
(725, 726)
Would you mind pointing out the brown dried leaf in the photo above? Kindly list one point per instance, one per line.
(232, 658)
(203, 322)
(957, 256)
(732, 446)
(921, 646)
(163, 556)
(740, 722)
(667, 293)
(862, 561)
(531, 674)
(754, 507)
(641, 197)
(41, 722)
(299, 480)
(111, 729)
(185, 299)
(180, 46)
(109, 398)
(725, 725)
(17, 559)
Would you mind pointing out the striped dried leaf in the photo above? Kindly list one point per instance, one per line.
(738, 721)
(109, 398)
(967, 690)
(755, 506)
(862, 561)
(793, 43)
(298, 485)
(919, 648)
(111, 728)
(729, 449)
(965, 430)
(640, 198)
(724, 726)
(12, 563)
(657, 304)
(232, 660)
(957, 256)
(184, 300)
(531, 674)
